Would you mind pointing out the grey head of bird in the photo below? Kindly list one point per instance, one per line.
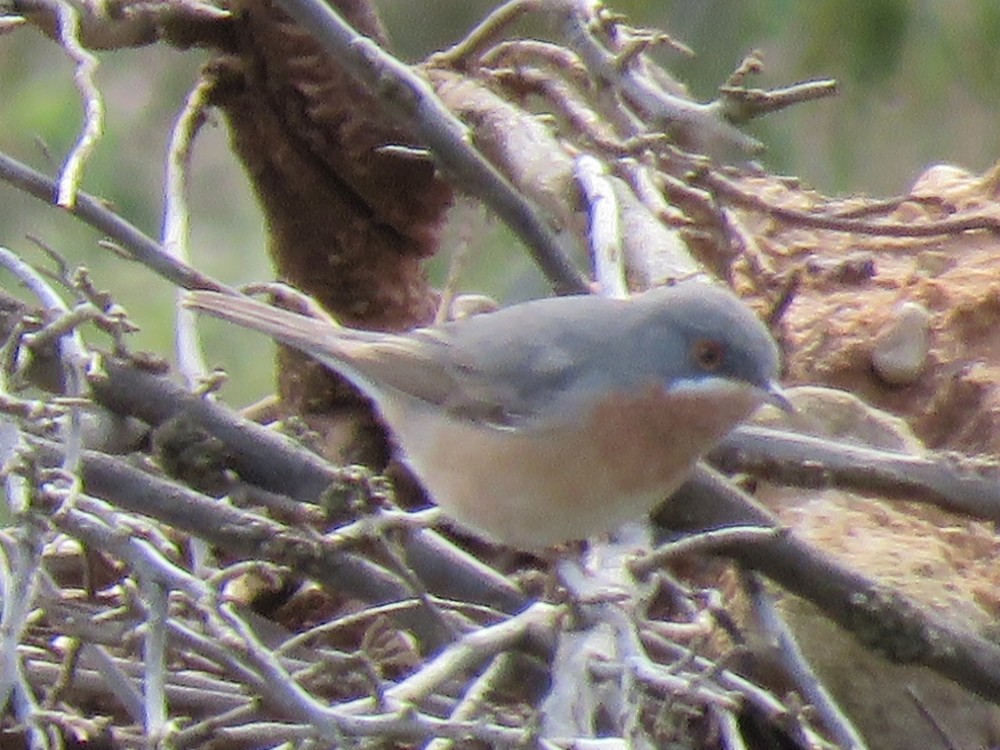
(696, 336)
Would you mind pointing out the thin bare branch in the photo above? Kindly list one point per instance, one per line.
(730, 192)
(700, 123)
(488, 30)
(73, 355)
(812, 689)
(190, 358)
(700, 543)
(475, 700)
(154, 658)
(742, 104)
(91, 210)
(605, 234)
(68, 28)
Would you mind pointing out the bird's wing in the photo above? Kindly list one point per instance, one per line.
(523, 367)
(511, 369)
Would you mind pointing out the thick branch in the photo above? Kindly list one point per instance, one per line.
(877, 616)
(806, 461)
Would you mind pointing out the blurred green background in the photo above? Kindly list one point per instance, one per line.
(920, 84)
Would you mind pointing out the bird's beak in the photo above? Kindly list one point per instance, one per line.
(775, 395)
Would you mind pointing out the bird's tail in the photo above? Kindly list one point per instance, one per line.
(371, 360)
(322, 339)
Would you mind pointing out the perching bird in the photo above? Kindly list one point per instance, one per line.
(552, 420)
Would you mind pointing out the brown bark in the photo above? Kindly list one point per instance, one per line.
(348, 224)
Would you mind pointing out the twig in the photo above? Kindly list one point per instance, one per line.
(210, 726)
(700, 543)
(408, 726)
(20, 563)
(190, 359)
(643, 183)
(946, 740)
(515, 55)
(243, 533)
(73, 355)
(364, 529)
(92, 211)
(290, 297)
(667, 681)
(583, 123)
(839, 725)
(87, 524)
(397, 564)
(467, 654)
(700, 122)
(460, 254)
(474, 700)
(67, 672)
(743, 104)
(187, 342)
(27, 710)
(484, 34)
(728, 728)
(763, 701)
(332, 724)
(9, 23)
(186, 690)
(51, 332)
(154, 657)
(253, 660)
(729, 191)
(875, 207)
(115, 680)
(68, 25)
(605, 233)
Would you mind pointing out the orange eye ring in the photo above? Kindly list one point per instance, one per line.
(708, 353)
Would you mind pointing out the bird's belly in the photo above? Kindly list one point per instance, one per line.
(531, 491)
(535, 488)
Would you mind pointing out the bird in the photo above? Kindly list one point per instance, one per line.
(553, 420)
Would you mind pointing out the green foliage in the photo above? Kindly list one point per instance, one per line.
(864, 38)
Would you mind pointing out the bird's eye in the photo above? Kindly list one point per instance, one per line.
(708, 353)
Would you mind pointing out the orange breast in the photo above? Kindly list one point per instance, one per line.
(535, 488)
